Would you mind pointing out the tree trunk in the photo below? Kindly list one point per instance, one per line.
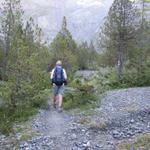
(120, 64)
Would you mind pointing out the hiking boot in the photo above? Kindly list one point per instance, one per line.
(60, 109)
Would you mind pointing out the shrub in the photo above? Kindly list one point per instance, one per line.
(107, 79)
(29, 97)
(82, 96)
(140, 142)
(40, 100)
(5, 91)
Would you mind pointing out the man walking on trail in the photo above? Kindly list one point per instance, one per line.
(59, 79)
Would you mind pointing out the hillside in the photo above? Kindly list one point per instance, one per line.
(84, 16)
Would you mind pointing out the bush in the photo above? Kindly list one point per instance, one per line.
(40, 100)
(5, 91)
(82, 96)
(29, 97)
(103, 79)
(142, 141)
(107, 79)
(8, 116)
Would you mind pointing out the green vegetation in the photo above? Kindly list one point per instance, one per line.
(8, 117)
(141, 142)
(25, 59)
(23, 79)
(87, 56)
(63, 47)
(107, 78)
(73, 56)
(82, 96)
(124, 40)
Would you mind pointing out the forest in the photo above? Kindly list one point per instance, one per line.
(122, 59)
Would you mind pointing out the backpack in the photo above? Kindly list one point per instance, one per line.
(58, 76)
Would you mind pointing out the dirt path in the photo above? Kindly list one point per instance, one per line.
(62, 131)
(95, 129)
(56, 123)
(79, 131)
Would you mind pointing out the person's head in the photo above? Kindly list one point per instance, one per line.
(59, 63)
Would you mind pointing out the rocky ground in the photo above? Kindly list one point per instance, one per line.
(123, 114)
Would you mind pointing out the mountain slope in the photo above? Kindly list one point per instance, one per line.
(84, 16)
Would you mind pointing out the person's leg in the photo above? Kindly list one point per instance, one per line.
(55, 95)
(60, 98)
(54, 100)
(57, 100)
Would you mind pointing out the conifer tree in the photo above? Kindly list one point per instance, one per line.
(118, 32)
(10, 24)
(64, 47)
(92, 56)
(143, 33)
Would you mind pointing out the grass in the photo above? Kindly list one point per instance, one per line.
(132, 107)
(98, 125)
(84, 120)
(9, 117)
(90, 113)
(142, 142)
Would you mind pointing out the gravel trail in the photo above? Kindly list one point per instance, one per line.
(122, 115)
(54, 123)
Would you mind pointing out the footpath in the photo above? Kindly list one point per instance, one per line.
(121, 115)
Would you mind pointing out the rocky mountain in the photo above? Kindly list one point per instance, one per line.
(83, 16)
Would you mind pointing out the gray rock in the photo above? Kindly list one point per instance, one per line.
(99, 146)
(87, 144)
(110, 143)
(130, 133)
(116, 134)
(74, 136)
(148, 125)
(132, 121)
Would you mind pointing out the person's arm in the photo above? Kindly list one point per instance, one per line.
(65, 76)
(51, 75)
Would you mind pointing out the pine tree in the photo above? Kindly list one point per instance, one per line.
(1, 56)
(64, 26)
(10, 23)
(92, 55)
(64, 47)
(83, 56)
(143, 33)
(119, 31)
(11, 30)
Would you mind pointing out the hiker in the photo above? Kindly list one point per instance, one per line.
(59, 79)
